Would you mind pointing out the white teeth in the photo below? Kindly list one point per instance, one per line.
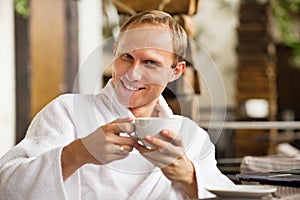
(130, 88)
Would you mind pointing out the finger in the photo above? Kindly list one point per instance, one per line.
(122, 127)
(109, 153)
(122, 149)
(124, 124)
(116, 128)
(142, 149)
(155, 153)
(150, 154)
(159, 159)
(165, 147)
(174, 138)
(122, 140)
(159, 142)
(127, 148)
(124, 120)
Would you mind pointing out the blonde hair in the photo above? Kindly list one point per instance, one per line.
(155, 17)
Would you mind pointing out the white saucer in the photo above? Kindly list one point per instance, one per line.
(242, 191)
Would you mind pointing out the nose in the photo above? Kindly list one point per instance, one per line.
(135, 72)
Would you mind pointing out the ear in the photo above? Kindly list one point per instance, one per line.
(177, 70)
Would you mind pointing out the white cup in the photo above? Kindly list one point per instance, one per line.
(151, 126)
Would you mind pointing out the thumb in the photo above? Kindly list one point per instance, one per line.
(124, 120)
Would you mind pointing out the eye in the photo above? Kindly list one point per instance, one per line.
(151, 64)
(126, 56)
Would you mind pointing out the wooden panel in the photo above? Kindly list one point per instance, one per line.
(254, 59)
(251, 142)
(253, 47)
(253, 6)
(22, 77)
(252, 27)
(256, 78)
(253, 85)
(47, 41)
(255, 95)
(288, 84)
(251, 34)
(255, 72)
(189, 7)
(72, 54)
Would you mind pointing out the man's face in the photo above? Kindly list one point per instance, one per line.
(142, 67)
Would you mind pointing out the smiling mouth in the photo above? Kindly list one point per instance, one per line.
(128, 87)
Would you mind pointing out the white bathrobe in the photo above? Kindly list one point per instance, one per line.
(32, 169)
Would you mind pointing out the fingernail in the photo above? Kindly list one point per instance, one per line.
(132, 134)
(165, 132)
(148, 138)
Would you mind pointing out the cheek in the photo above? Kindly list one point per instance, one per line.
(120, 67)
(156, 90)
(115, 76)
(117, 71)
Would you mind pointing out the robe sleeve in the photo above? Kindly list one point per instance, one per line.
(32, 169)
(207, 174)
(201, 151)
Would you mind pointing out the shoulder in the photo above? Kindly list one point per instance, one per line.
(188, 125)
(65, 103)
(71, 99)
(196, 140)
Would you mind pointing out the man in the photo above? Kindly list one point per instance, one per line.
(78, 146)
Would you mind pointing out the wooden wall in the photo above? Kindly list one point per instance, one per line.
(54, 52)
(256, 77)
(47, 36)
(288, 82)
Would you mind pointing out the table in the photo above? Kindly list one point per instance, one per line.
(282, 125)
(283, 192)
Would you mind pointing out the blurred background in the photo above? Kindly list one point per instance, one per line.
(254, 45)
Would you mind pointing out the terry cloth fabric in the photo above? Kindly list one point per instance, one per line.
(32, 169)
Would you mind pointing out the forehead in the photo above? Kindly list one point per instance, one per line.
(145, 37)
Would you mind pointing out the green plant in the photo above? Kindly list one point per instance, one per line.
(22, 8)
(284, 11)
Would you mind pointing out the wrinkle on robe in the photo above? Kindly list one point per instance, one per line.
(32, 169)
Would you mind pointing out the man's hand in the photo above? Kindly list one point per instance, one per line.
(102, 146)
(106, 145)
(169, 155)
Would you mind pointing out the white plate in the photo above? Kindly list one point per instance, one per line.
(242, 191)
